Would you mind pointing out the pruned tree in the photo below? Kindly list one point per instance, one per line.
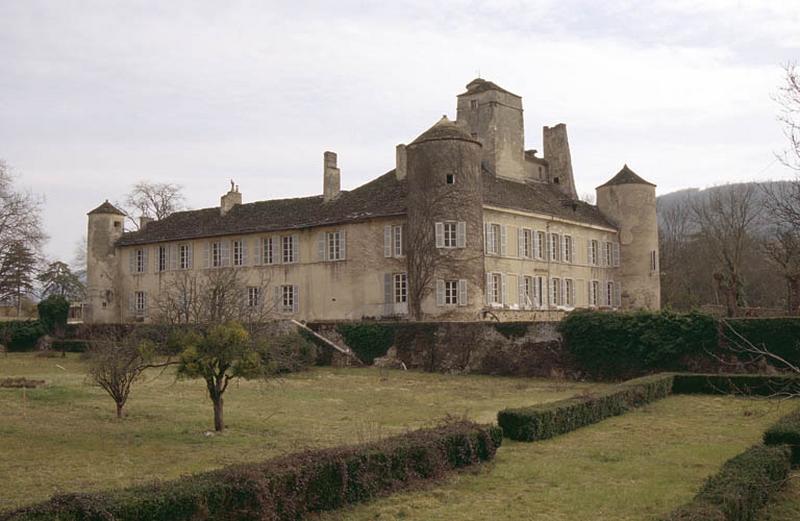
(58, 279)
(116, 363)
(17, 270)
(725, 218)
(153, 200)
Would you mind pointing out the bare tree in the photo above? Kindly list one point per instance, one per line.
(154, 200)
(783, 250)
(788, 97)
(725, 219)
(20, 215)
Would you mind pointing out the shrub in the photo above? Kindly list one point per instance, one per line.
(786, 432)
(780, 336)
(286, 488)
(368, 341)
(551, 419)
(744, 384)
(70, 346)
(511, 329)
(289, 353)
(53, 313)
(741, 487)
(21, 335)
(620, 345)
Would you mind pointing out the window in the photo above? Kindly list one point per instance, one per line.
(140, 261)
(451, 292)
(538, 291)
(494, 239)
(593, 252)
(568, 249)
(450, 179)
(609, 253)
(653, 261)
(253, 297)
(473, 104)
(268, 253)
(238, 253)
(555, 247)
(140, 303)
(216, 254)
(449, 235)
(162, 258)
(334, 247)
(594, 293)
(117, 224)
(288, 299)
(184, 257)
(525, 239)
(527, 294)
(289, 250)
(496, 289)
(609, 296)
(397, 240)
(555, 291)
(569, 292)
(540, 245)
(400, 288)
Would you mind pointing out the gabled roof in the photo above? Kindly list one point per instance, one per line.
(444, 129)
(382, 197)
(541, 198)
(479, 85)
(626, 176)
(106, 208)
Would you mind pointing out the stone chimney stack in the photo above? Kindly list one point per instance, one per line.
(229, 200)
(331, 181)
(144, 221)
(401, 163)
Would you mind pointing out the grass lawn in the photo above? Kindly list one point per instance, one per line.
(786, 506)
(65, 437)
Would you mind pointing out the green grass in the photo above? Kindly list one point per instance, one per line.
(64, 437)
(631, 467)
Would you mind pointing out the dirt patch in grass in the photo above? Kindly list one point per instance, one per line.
(21, 382)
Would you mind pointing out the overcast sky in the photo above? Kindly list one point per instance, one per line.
(95, 95)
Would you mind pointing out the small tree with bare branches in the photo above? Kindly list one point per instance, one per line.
(153, 200)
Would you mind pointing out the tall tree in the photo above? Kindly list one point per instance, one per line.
(153, 200)
(20, 215)
(58, 279)
(17, 271)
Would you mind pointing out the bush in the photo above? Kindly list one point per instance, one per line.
(368, 341)
(780, 336)
(286, 488)
(21, 335)
(621, 345)
(290, 353)
(551, 419)
(743, 384)
(740, 488)
(70, 346)
(786, 432)
(53, 313)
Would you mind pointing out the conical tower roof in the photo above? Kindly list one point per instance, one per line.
(626, 176)
(106, 208)
(444, 129)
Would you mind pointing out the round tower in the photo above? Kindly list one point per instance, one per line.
(105, 227)
(445, 220)
(629, 202)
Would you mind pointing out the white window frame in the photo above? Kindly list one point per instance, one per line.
(238, 252)
(527, 243)
(184, 257)
(594, 293)
(140, 303)
(288, 248)
(594, 252)
(528, 292)
(163, 258)
(609, 254)
(253, 297)
(569, 292)
(609, 294)
(450, 230)
(140, 262)
(555, 247)
(215, 254)
(400, 288)
(496, 291)
(288, 298)
(397, 240)
(451, 292)
(541, 244)
(268, 251)
(555, 291)
(494, 233)
(569, 249)
(333, 246)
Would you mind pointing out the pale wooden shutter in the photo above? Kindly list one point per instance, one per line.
(174, 253)
(615, 254)
(225, 253)
(617, 294)
(563, 248)
(403, 231)
(321, 247)
(488, 288)
(521, 286)
(439, 230)
(589, 259)
(563, 294)
(343, 245)
(387, 240)
(207, 255)
(486, 238)
(503, 240)
(132, 302)
(521, 242)
(295, 299)
(190, 255)
(537, 289)
(462, 292)
(573, 295)
(244, 252)
(388, 294)
(503, 293)
(537, 248)
(132, 261)
(276, 298)
(258, 251)
(461, 234)
(145, 263)
(295, 248)
(439, 292)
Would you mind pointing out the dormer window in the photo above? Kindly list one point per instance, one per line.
(451, 179)
(473, 104)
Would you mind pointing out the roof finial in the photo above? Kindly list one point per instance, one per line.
(232, 186)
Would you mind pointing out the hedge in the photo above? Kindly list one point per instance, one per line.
(786, 432)
(285, 488)
(744, 384)
(544, 421)
(741, 487)
(368, 341)
(778, 335)
(21, 335)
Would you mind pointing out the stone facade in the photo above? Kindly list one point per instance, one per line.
(468, 226)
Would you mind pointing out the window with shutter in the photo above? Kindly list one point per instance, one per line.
(615, 254)
(439, 232)
(462, 292)
(461, 234)
(387, 240)
(503, 240)
(440, 292)
(397, 236)
(388, 300)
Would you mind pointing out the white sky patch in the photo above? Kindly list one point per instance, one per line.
(96, 95)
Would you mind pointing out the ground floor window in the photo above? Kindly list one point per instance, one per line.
(253, 297)
(288, 299)
(594, 293)
(400, 288)
(569, 292)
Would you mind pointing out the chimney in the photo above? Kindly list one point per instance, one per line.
(144, 220)
(400, 162)
(331, 181)
(229, 200)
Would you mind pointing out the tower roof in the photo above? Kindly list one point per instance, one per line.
(626, 176)
(479, 85)
(106, 208)
(445, 129)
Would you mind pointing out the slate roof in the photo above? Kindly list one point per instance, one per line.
(106, 208)
(382, 197)
(480, 85)
(626, 176)
(542, 198)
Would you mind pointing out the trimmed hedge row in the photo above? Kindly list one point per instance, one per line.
(21, 335)
(740, 488)
(786, 432)
(544, 421)
(743, 384)
(285, 488)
